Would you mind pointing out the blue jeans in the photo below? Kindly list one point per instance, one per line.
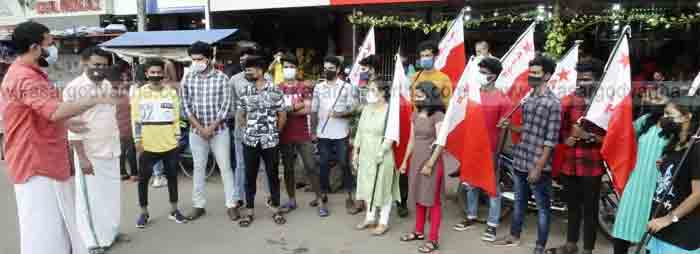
(543, 192)
(158, 168)
(339, 148)
(472, 205)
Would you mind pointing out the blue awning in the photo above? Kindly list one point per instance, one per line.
(168, 38)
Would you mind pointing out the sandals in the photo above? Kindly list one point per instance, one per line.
(323, 212)
(313, 203)
(413, 236)
(561, 250)
(246, 221)
(429, 247)
(279, 219)
(288, 207)
(380, 230)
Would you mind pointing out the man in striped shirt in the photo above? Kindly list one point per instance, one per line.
(207, 102)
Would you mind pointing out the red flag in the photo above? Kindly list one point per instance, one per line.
(563, 84)
(368, 48)
(611, 110)
(399, 122)
(516, 65)
(452, 57)
(464, 114)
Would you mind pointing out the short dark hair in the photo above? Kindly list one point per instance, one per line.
(385, 87)
(372, 61)
(114, 73)
(433, 97)
(594, 65)
(153, 62)
(290, 58)
(492, 64)
(202, 48)
(27, 34)
(95, 51)
(251, 51)
(255, 62)
(332, 60)
(546, 62)
(429, 45)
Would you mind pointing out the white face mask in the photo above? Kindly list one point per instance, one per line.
(198, 67)
(53, 55)
(290, 73)
(372, 97)
(482, 80)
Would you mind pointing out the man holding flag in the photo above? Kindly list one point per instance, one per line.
(532, 157)
(428, 51)
(582, 164)
(495, 106)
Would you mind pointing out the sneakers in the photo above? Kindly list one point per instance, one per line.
(508, 241)
(159, 182)
(465, 225)
(142, 221)
(489, 234)
(177, 217)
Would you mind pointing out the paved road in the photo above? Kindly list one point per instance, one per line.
(305, 233)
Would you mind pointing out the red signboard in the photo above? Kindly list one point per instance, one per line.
(67, 6)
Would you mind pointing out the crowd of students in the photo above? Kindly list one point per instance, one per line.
(249, 123)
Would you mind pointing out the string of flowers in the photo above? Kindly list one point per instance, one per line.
(558, 29)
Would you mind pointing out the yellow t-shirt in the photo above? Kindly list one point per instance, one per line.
(155, 117)
(441, 81)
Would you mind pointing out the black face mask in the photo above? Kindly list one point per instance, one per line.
(331, 75)
(96, 74)
(250, 77)
(155, 79)
(534, 82)
(669, 126)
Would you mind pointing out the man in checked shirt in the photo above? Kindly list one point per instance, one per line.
(532, 157)
(207, 101)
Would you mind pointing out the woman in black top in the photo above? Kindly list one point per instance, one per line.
(675, 229)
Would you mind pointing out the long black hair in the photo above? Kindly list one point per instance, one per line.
(433, 101)
(653, 118)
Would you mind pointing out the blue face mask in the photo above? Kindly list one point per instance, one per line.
(364, 76)
(427, 63)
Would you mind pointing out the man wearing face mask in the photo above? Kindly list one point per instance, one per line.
(582, 169)
(334, 102)
(495, 105)
(532, 160)
(295, 138)
(36, 124)
(207, 101)
(428, 51)
(97, 154)
(261, 116)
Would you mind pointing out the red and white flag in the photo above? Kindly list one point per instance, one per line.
(694, 87)
(563, 84)
(516, 66)
(464, 134)
(611, 110)
(398, 126)
(368, 48)
(452, 58)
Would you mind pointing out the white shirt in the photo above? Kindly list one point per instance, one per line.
(324, 97)
(102, 138)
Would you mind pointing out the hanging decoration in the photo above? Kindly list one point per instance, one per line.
(558, 29)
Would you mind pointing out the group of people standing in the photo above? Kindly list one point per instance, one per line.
(249, 123)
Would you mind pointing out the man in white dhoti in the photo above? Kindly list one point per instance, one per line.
(35, 124)
(96, 155)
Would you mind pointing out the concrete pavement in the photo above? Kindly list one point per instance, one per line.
(305, 232)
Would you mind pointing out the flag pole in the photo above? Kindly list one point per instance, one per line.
(647, 235)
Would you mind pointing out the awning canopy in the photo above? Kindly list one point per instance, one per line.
(163, 44)
(168, 38)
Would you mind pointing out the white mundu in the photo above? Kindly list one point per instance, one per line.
(98, 202)
(47, 204)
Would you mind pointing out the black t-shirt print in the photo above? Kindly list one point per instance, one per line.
(684, 233)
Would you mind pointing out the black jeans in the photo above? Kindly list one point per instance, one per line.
(128, 155)
(289, 154)
(339, 148)
(252, 165)
(582, 200)
(147, 160)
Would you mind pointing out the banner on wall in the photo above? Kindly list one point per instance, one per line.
(66, 8)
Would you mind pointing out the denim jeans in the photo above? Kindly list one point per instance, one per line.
(472, 205)
(239, 168)
(339, 148)
(220, 146)
(543, 192)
